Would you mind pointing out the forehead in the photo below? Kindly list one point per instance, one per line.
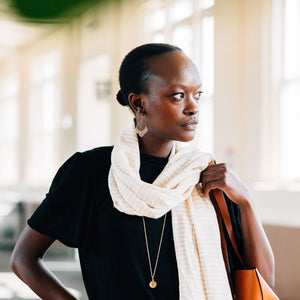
(174, 68)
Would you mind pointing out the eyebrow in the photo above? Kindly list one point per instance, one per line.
(184, 86)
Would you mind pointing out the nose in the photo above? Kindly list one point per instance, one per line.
(191, 106)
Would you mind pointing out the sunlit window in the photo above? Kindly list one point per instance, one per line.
(159, 38)
(156, 20)
(289, 129)
(205, 4)
(183, 36)
(289, 87)
(43, 116)
(181, 9)
(292, 39)
(189, 24)
(206, 130)
(207, 61)
(9, 116)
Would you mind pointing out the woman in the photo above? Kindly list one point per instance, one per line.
(139, 240)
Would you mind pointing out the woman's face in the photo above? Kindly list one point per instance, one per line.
(172, 102)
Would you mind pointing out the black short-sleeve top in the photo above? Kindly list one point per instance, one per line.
(79, 212)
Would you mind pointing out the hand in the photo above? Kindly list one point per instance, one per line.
(257, 251)
(220, 176)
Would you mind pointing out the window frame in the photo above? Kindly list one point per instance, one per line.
(42, 175)
(11, 141)
(276, 82)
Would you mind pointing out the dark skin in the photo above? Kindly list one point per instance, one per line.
(170, 103)
(172, 100)
(26, 262)
(170, 108)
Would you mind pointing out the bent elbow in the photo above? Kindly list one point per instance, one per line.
(15, 264)
(20, 263)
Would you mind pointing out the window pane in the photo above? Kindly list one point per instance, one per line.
(289, 127)
(8, 119)
(45, 67)
(44, 108)
(206, 125)
(159, 38)
(49, 106)
(181, 9)
(292, 39)
(35, 111)
(8, 162)
(205, 4)
(183, 38)
(208, 56)
(49, 69)
(156, 20)
(11, 88)
(41, 161)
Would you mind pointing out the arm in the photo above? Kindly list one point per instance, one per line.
(26, 262)
(257, 250)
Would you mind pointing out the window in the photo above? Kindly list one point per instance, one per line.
(188, 24)
(286, 81)
(43, 111)
(9, 123)
(93, 107)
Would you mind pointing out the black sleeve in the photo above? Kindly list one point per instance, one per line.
(235, 217)
(63, 212)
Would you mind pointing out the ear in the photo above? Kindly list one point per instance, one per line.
(136, 102)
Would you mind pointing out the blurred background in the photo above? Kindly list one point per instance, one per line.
(58, 80)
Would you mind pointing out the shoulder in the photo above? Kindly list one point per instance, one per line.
(97, 159)
(87, 159)
(97, 153)
(83, 165)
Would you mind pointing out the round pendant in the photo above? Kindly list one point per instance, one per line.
(153, 284)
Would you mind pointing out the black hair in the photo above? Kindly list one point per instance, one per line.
(134, 71)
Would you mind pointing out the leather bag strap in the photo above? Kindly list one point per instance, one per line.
(223, 241)
(219, 202)
(221, 209)
(222, 206)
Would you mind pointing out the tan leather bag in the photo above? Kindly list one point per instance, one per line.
(246, 284)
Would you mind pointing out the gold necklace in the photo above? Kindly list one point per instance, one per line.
(153, 283)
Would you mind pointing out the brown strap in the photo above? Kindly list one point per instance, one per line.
(227, 221)
(213, 197)
(222, 213)
(223, 241)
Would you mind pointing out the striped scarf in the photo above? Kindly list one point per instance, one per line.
(201, 269)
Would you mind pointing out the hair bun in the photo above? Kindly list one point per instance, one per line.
(121, 99)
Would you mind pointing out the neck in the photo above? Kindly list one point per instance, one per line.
(154, 148)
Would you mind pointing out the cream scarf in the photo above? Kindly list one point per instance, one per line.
(201, 268)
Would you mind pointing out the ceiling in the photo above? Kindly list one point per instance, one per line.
(15, 33)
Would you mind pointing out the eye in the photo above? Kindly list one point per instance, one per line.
(198, 95)
(178, 96)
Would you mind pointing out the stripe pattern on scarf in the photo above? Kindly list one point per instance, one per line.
(201, 269)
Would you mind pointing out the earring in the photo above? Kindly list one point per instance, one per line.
(141, 128)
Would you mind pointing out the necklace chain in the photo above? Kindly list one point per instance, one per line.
(153, 283)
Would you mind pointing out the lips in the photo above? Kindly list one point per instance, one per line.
(192, 122)
(190, 125)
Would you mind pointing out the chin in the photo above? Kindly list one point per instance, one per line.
(187, 137)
